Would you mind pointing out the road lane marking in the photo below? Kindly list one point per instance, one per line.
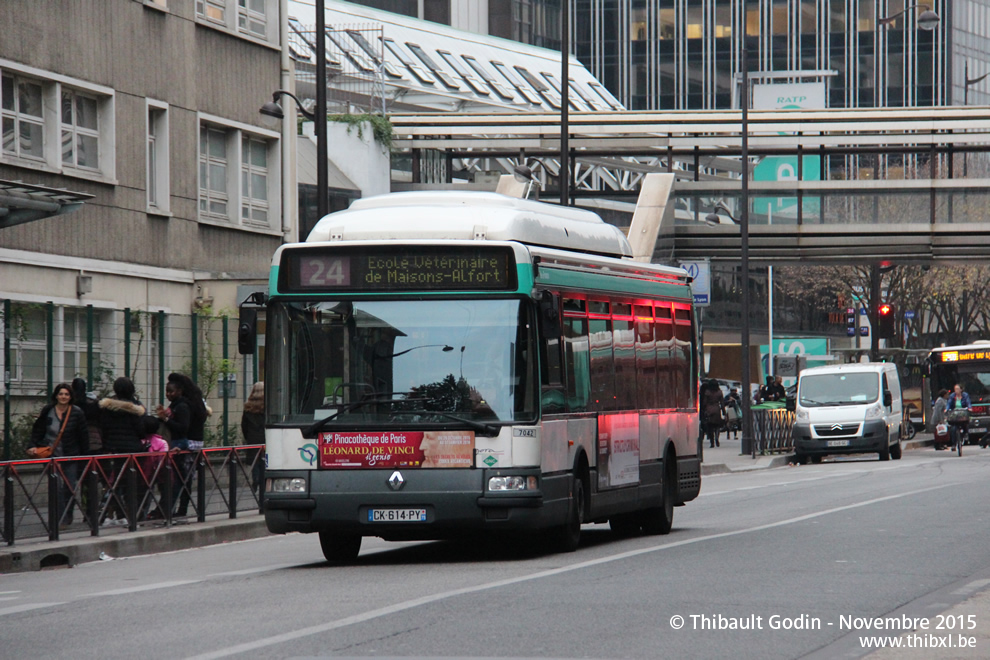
(27, 608)
(426, 600)
(143, 587)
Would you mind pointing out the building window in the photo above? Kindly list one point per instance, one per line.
(254, 181)
(248, 196)
(23, 126)
(212, 10)
(80, 130)
(75, 343)
(251, 17)
(255, 19)
(212, 172)
(158, 158)
(55, 123)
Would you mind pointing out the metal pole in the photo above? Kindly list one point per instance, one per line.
(127, 342)
(747, 445)
(7, 325)
(226, 381)
(90, 374)
(872, 311)
(194, 337)
(565, 152)
(322, 149)
(50, 345)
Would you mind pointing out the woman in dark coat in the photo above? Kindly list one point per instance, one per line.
(712, 411)
(74, 442)
(253, 427)
(122, 430)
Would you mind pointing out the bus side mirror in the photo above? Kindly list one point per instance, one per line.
(247, 331)
(549, 315)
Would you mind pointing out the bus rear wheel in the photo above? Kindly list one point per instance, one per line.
(660, 520)
(340, 548)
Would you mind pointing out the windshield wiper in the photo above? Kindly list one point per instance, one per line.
(311, 430)
(488, 430)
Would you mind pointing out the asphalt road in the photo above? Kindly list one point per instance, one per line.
(770, 564)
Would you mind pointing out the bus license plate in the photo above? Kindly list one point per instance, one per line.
(838, 443)
(396, 515)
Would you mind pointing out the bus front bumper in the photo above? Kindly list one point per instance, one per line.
(454, 501)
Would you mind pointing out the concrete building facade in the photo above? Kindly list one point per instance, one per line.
(147, 110)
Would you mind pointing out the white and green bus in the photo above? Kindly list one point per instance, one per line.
(441, 364)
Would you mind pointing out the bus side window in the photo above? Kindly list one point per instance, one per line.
(550, 355)
(577, 365)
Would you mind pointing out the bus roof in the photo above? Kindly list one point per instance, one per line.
(980, 345)
(451, 215)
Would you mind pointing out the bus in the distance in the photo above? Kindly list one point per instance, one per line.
(968, 366)
(441, 364)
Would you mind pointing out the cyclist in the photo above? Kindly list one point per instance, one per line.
(958, 400)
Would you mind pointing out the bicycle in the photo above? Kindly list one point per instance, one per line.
(958, 419)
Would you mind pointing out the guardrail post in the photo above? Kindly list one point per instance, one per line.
(166, 504)
(52, 501)
(8, 506)
(92, 477)
(131, 497)
(232, 466)
(201, 487)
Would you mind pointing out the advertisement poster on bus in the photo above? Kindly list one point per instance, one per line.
(395, 449)
(618, 450)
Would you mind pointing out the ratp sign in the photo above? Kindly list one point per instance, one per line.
(701, 281)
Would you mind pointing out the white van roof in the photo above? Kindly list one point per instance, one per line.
(856, 367)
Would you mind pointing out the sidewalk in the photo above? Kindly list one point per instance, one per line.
(727, 457)
(79, 547)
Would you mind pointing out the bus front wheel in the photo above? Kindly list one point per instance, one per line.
(568, 537)
(340, 548)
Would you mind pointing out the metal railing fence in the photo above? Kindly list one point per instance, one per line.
(44, 344)
(100, 494)
(772, 431)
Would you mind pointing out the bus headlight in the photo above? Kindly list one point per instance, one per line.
(512, 483)
(293, 485)
(873, 412)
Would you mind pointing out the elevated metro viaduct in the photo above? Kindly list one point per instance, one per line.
(886, 185)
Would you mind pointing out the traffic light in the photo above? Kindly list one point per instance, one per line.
(885, 321)
(850, 322)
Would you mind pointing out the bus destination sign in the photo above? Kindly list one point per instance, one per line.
(964, 356)
(387, 268)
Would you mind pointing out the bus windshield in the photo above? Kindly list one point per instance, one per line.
(400, 363)
(844, 389)
(974, 377)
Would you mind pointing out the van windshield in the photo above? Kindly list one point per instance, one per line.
(838, 389)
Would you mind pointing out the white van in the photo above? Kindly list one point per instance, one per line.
(848, 409)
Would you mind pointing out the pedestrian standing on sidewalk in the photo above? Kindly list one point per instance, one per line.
(733, 413)
(66, 423)
(121, 431)
(185, 419)
(253, 427)
(712, 411)
(89, 403)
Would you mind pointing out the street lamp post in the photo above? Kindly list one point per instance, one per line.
(747, 446)
(273, 109)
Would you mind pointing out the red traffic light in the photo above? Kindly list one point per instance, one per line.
(886, 310)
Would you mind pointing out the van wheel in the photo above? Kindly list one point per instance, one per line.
(885, 452)
(895, 451)
(340, 548)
